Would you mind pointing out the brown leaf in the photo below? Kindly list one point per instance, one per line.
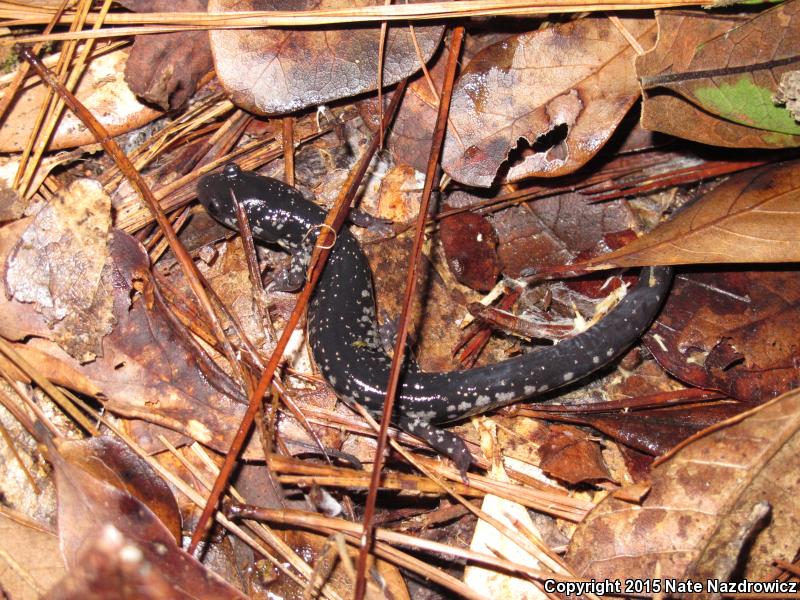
(680, 33)
(731, 73)
(110, 461)
(563, 90)
(555, 230)
(734, 331)
(36, 551)
(164, 68)
(669, 113)
(697, 519)
(150, 367)
(102, 90)
(752, 217)
(88, 504)
(569, 455)
(470, 245)
(272, 71)
(60, 266)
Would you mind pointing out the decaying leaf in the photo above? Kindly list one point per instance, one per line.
(110, 461)
(94, 481)
(164, 68)
(470, 245)
(60, 265)
(701, 516)
(559, 92)
(273, 71)
(734, 331)
(571, 456)
(728, 70)
(102, 90)
(150, 367)
(752, 217)
(788, 93)
(37, 551)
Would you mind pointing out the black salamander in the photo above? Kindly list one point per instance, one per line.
(343, 331)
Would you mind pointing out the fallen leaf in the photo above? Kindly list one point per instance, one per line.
(36, 551)
(735, 73)
(752, 217)
(165, 68)
(561, 92)
(697, 520)
(274, 71)
(110, 461)
(568, 454)
(138, 546)
(102, 90)
(680, 35)
(734, 331)
(150, 369)
(470, 245)
(60, 265)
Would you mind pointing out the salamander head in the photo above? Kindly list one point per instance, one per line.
(214, 192)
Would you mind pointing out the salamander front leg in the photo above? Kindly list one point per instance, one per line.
(293, 278)
(444, 442)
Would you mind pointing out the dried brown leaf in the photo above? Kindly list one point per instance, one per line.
(102, 90)
(60, 265)
(92, 508)
(562, 90)
(165, 68)
(150, 367)
(272, 71)
(698, 519)
(731, 73)
(734, 331)
(752, 217)
(680, 34)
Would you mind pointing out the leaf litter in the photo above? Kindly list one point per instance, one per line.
(538, 121)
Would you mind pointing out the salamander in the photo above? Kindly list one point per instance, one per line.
(343, 331)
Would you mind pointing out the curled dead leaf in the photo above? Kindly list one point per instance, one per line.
(752, 217)
(700, 518)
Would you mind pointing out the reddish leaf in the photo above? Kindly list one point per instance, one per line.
(165, 68)
(271, 71)
(569, 455)
(470, 245)
(561, 90)
(733, 331)
(88, 504)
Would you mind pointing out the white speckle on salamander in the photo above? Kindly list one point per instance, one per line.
(569, 376)
(504, 396)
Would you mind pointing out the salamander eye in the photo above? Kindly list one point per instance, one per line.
(232, 171)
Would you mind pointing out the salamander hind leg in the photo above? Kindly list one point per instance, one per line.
(444, 442)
